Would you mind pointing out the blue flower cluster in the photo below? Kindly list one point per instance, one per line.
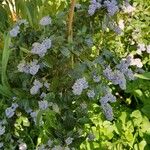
(106, 107)
(110, 5)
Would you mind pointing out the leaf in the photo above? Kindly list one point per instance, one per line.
(50, 97)
(146, 110)
(137, 117)
(129, 136)
(5, 58)
(5, 91)
(142, 145)
(50, 119)
(3, 18)
(145, 76)
(65, 52)
(39, 117)
(123, 117)
(25, 121)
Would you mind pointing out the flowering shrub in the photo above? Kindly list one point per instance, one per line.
(76, 91)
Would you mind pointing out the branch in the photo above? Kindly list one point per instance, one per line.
(70, 21)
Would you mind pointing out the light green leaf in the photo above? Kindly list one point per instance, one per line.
(145, 76)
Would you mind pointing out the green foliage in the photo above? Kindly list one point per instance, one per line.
(63, 118)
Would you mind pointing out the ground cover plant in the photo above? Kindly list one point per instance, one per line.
(75, 75)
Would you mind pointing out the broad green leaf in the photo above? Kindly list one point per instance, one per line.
(142, 145)
(137, 117)
(129, 136)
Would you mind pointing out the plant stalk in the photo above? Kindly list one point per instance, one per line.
(70, 27)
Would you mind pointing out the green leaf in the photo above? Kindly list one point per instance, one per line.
(25, 121)
(39, 117)
(50, 119)
(129, 135)
(123, 117)
(5, 58)
(5, 91)
(142, 145)
(137, 117)
(65, 52)
(145, 76)
(146, 110)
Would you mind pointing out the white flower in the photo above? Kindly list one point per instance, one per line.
(136, 62)
(2, 130)
(127, 8)
(140, 48)
(79, 85)
(9, 112)
(121, 24)
(69, 140)
(43, 105)
(45, 21)
(15, 31)
(23, 146)
(148, 49)
(91, 93)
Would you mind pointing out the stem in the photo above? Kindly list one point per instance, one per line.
(70, 27)
(70, 21)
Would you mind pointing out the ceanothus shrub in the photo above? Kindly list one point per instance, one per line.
(56, 78)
